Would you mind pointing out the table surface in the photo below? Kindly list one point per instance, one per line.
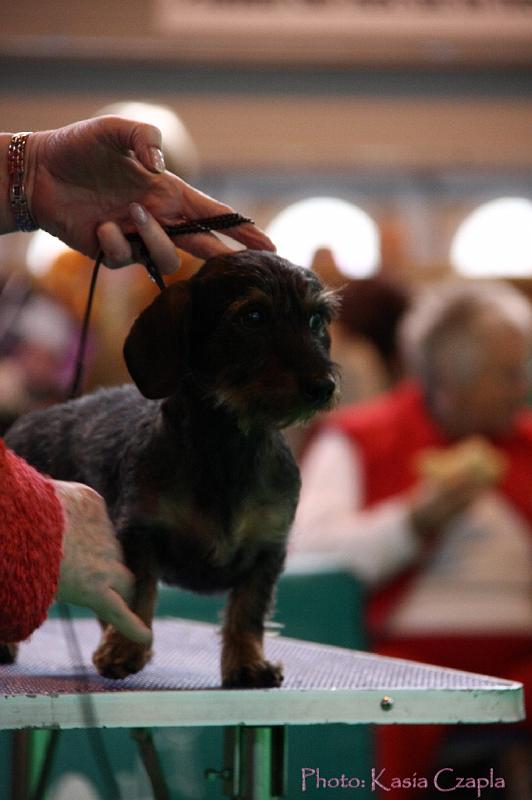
(181, 686)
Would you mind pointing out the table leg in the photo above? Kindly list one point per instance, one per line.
(20, 767)
(49, 743)
(151, 761)
(255, 760)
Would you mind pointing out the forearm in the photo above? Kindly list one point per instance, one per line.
(375, 543)
(31, 533)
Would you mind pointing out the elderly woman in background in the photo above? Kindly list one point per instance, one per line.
(425, 494)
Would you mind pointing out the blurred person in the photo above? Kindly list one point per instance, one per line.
(38, 343)
(87, 183)
(425, 494)
(364, 337)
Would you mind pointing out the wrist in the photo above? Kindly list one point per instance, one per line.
(18, 179)
(7, 220)
(31, 173)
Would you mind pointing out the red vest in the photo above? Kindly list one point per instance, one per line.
(389, 433)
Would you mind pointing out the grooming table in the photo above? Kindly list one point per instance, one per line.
(180, 687)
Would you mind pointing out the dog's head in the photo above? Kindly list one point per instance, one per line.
(250, 330)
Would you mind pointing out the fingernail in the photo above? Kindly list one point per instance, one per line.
(157, 159)
(138, 213)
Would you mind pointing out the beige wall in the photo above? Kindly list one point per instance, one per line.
(321, 133)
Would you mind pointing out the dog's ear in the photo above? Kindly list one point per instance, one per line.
(156, 347)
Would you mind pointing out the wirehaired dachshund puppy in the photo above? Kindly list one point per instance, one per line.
(197, 478)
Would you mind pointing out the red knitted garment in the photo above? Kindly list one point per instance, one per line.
(31, 533)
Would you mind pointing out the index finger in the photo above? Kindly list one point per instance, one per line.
(114, 610)
(198, 205)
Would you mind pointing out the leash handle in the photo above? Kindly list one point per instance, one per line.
(218, 223)
(205, 225)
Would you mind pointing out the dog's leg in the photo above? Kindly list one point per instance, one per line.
(243, 661)
(116, 656)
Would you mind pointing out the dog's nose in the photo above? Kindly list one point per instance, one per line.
(319, 390)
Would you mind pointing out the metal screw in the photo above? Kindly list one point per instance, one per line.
(387, 703)
(212, 775)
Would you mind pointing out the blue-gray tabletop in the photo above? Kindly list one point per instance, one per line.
(181, 686)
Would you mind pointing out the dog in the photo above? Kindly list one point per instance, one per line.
(198, 481)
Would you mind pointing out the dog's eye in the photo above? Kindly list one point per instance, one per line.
(252, 317)
(317, 322)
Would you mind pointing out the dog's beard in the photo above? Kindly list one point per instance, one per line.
(276, 411)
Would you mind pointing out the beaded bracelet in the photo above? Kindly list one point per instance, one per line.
(17, 190)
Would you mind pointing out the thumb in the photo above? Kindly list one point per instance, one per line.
(128, 135)
(146, 142)
(114, 610)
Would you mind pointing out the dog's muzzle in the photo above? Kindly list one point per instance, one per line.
(319, 391)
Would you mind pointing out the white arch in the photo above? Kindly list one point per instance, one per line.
(42, 251)
(495, 240)
(344, 228)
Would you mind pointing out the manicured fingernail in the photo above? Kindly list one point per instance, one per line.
(157, 159)
(138, 213)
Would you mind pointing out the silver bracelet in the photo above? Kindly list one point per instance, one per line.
(17, 191)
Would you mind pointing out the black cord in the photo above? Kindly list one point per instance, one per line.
(94, 734)
(90, 719)
(82, 345)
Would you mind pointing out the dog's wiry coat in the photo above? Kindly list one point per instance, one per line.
(198, 481)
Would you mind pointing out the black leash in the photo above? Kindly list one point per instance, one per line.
(82, 344)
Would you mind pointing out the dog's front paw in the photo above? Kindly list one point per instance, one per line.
(117, 657)
(259, 675)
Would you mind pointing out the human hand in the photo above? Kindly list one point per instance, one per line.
(434, 504)
(451, 479)
(89, 173)
(92, 573)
